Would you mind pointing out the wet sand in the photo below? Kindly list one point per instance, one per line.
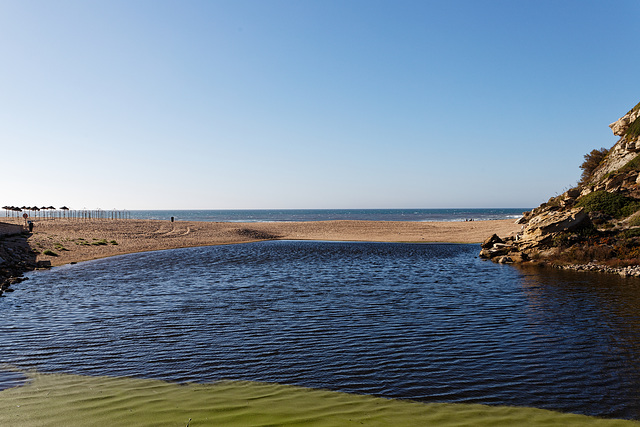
(77, 240)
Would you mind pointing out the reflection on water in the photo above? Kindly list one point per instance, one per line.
(592, 322)
(425, 322)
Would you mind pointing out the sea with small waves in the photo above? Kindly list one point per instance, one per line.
(423, 322)
(287, 215)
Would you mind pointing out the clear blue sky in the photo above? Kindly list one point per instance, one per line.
(308, 104)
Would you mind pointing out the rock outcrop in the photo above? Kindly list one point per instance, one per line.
(620, 126)
(625, 150)
(595, 223)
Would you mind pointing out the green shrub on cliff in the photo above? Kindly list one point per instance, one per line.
(635, 222)
(633, 232)
(613, 204)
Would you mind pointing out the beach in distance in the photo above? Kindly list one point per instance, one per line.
(62, 241)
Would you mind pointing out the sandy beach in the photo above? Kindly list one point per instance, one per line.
(78, 240)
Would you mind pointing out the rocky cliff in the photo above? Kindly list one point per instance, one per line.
(595, 224)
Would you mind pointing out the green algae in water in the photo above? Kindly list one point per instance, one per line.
(63, 400)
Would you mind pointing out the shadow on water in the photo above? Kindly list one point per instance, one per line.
(595, 319)
(612, 302)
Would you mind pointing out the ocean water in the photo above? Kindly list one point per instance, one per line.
(331, 214)
(271, 215)
(426, 322)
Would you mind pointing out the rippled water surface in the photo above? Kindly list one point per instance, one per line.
(424, 322)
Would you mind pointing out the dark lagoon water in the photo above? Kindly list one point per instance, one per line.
(426, 322)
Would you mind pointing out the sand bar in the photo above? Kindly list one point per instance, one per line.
(81, 240)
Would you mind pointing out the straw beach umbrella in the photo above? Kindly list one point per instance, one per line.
(64, 209)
